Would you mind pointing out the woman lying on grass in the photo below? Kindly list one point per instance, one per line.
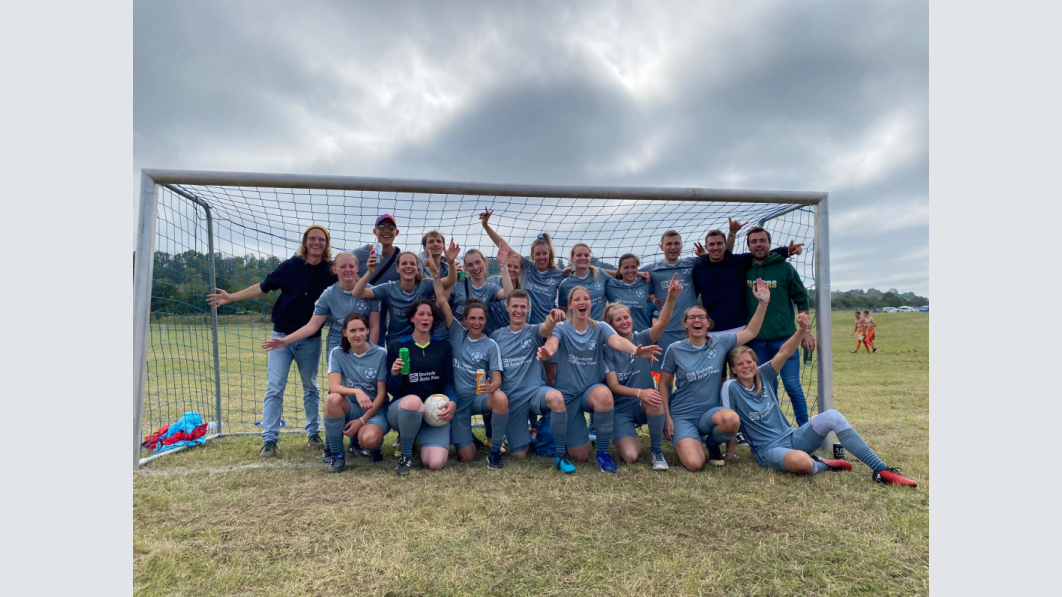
(774, 442)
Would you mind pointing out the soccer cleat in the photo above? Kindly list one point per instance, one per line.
(741, 441)
(404, 465)
(337, 464)
(875, 349)
(835, 464)
(563, 464)
(659, 462)
(355, 448)
(494, 461)
(715, 456)
(269, 450)
(327, 458)
(375, 455)
(604, 460)
(314, 441)
(892, 475)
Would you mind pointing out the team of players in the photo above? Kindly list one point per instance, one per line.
(551, 341)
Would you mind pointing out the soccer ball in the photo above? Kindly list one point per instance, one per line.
(433, 407)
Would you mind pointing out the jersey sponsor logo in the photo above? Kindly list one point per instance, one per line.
(593, 345)
(419, 376)
(477, 356)
(513, 362)
(526, 343)
(757, 415)
(368, 373)
(640, 293)
(362, 305)
(691, 377)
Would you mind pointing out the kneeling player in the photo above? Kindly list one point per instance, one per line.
(523, 376)
(775, 443)
(357, 372)
(430, 372)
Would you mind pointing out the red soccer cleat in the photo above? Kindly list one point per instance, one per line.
(835, 464)
(892, 475)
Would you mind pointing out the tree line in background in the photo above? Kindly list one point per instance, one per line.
(179, 285)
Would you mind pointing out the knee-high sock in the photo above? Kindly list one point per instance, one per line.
(717, 437)
(558, 424)
(871, 342)
(334, 434)
(859, 448)
(409, 422)
(502, 420)
(819, 467)
(488, 424)
(603, 427)
(859, 344)
(656, 432)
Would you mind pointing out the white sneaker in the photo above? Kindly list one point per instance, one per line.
(659, 463)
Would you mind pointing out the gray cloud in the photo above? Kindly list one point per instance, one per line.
(761, 95)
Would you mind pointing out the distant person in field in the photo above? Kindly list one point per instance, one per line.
(385, 230)
(860, 333)
(871, 327)
(301, 280)
(787, 291)
(357, 393)
(773, 441)
(720, 278)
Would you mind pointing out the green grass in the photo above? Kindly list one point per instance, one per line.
(213, 521)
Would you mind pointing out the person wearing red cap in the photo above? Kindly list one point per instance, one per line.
(301, 280)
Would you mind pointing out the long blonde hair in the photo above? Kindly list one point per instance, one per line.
(732, 357)
(546, 240)
(571, 255)
(571, 293)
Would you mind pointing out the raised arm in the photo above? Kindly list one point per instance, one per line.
(442, 300)
(484, 219)
(507, 282)
(617, 342)
(302, 333)
(731, 236)
(763, 294)
(223, 298)
(546, 351)
(660, 324)
(546, 328)
(361, 289)
(451, 254)
(792, 344)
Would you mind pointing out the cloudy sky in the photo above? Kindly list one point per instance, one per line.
(829, 96)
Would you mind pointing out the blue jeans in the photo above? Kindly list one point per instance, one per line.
(790, 374)
(306, 354)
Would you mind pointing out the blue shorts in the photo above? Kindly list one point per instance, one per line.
(379, 419)
(428, 435)
(576, 405)
(532, 401)
(695, 426)
(803, 438)
(627, 420)
(461, 424)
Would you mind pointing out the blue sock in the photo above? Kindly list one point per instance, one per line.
(656, 432)
(334, 434)
(819, 467)
(558, 424)
(500, 422)
(603, 422)
(717, 437)
(859, 448)
(408, 425)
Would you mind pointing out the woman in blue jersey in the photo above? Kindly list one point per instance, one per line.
(637, 402)
(630, 288)
(774, 442)
(589, 277)
(398, 296)
(336, 302)
(694, 412)
(579, 345)
(357, 375)
(472, 352)
(476, 285)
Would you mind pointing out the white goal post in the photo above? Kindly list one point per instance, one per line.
(211, 229)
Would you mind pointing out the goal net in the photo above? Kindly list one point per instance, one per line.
(229, 231)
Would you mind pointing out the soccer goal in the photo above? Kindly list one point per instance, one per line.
(202, 230)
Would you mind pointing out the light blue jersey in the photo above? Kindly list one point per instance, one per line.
(634, 296)
(542, 286)
(580, 357)
(362, 372)
(391, 275)
(596, 286)
(631, 371)
(521, 369)
(698, 374)
(497, 315)
(488, 293)
(660, 273)
(444, 266)
(470, 355)
(397, 301)
(762, 421)
(337, 304)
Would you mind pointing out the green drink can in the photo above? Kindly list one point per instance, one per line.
(403, 354)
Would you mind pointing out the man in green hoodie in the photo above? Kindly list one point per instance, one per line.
(779, 323)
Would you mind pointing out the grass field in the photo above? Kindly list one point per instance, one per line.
(213, 521)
